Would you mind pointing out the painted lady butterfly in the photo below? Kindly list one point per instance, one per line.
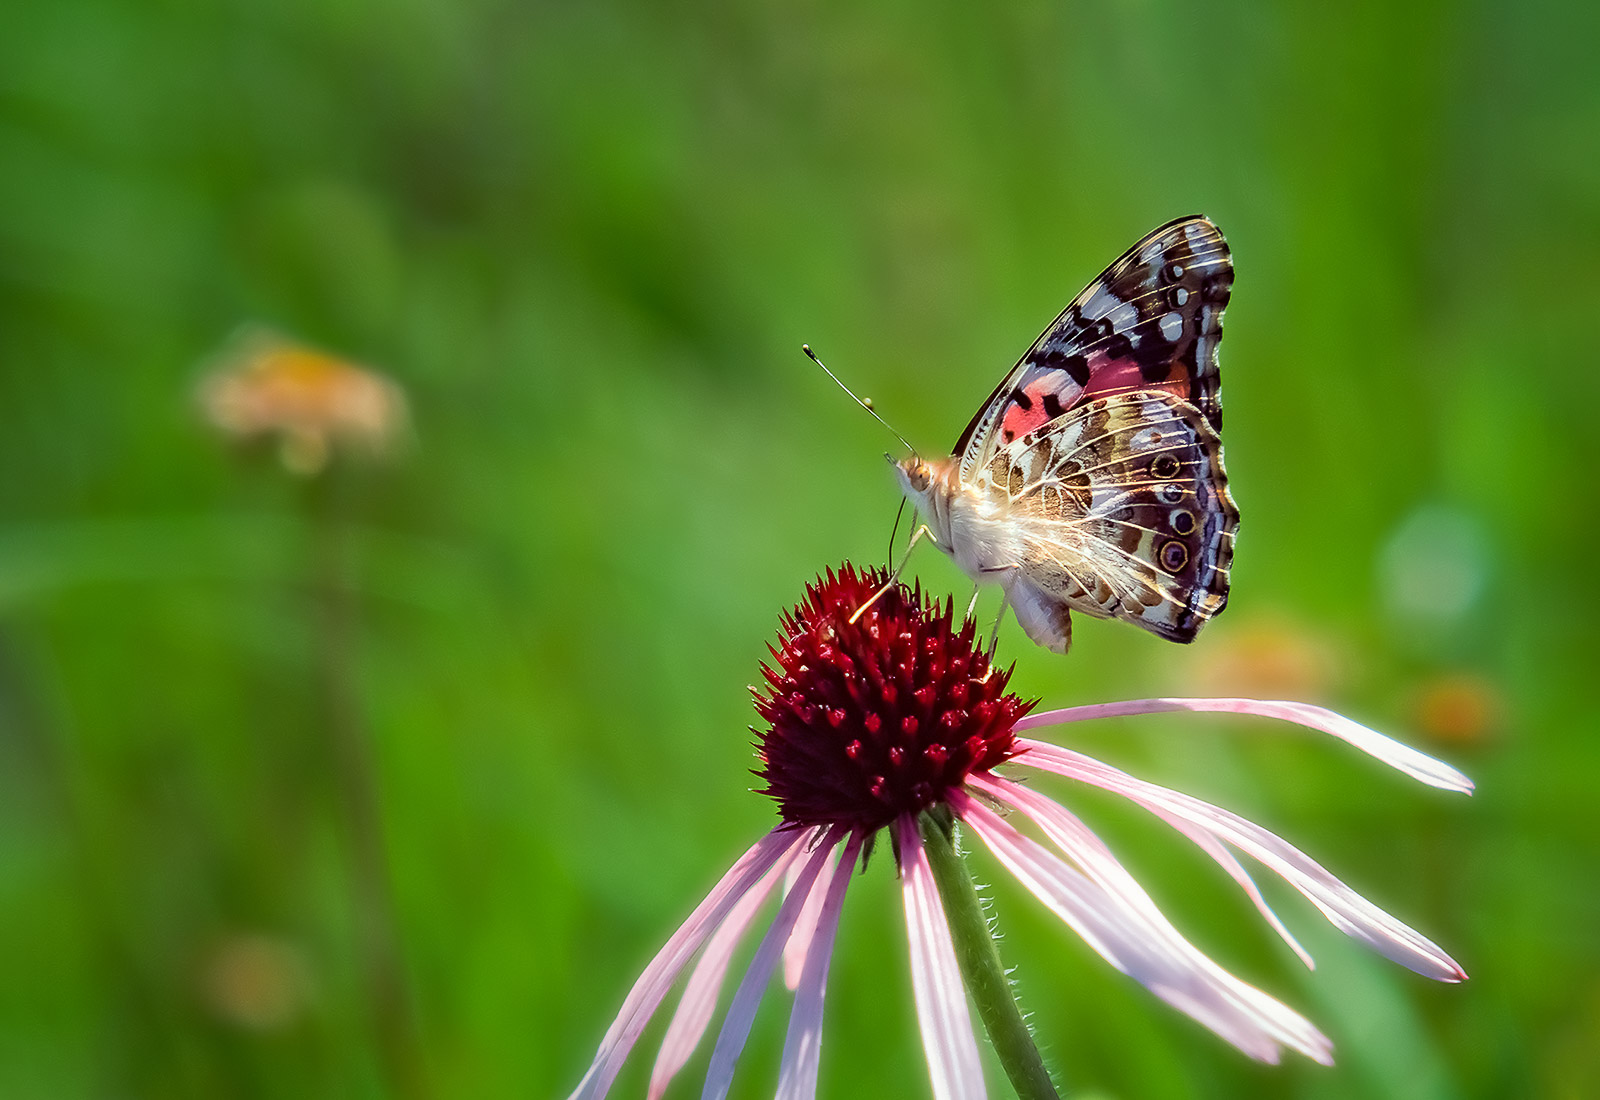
(1091, 480)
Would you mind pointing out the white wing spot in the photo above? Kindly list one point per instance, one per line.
(1100, 303)
(1172, 326)
(1180, 296)
(1124, 316)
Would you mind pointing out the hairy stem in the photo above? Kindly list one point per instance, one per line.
(981, 971)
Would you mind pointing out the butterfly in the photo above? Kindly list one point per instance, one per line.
(1091, 480)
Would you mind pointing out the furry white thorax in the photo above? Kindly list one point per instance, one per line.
(971, 530)
(966, 526)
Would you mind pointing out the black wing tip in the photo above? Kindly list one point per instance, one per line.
(1171, 230)
(1187, 219)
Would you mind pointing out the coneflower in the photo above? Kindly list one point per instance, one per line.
(897, 720)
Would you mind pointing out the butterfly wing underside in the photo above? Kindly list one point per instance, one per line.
(1150, 321)
(1121, 509)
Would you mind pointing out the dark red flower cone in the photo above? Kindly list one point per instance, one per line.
(871, 719)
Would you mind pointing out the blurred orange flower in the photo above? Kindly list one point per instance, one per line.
(1266, 659)
(268, 386)
(1459, 707)
(256, 981)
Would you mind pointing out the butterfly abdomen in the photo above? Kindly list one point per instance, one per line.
(983, 541)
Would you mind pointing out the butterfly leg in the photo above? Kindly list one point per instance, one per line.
(994, 638)
(922, 532)
(972, 607)
(1005, 605)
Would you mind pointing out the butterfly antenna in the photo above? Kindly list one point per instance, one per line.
(865, 403)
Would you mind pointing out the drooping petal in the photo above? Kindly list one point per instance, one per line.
(1347, 910)
(1135, 939)
(936, 985)
(794, 952)
(699, 1000)
(1080, 843)
(814, 871)
(1219, 852)
(1399, 756)
(802, 1048)
(658, 977)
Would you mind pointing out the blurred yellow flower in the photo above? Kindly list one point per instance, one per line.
(309, 400)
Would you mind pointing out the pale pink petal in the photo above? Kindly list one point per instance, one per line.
(1102, 868)
(947, 1037)
(699, 1001)
(802, 1049)
(658, 977)
(1404, 758)
(1125, 929)
(1347, 910)
(814, 870)
(1071, 835)
(794, 952)
(1214, 848)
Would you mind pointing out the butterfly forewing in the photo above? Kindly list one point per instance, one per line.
(1150, 321)
(1092, 479)
(1123, 510)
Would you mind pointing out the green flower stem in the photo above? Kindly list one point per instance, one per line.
(979, 959)
(336, 630)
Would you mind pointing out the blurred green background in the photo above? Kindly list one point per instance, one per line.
(588, 240)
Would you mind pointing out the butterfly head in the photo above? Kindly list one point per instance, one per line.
(915, 475)
(919, 481)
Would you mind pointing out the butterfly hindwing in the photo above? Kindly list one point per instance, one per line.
(1123, 510)
(1150, 321)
